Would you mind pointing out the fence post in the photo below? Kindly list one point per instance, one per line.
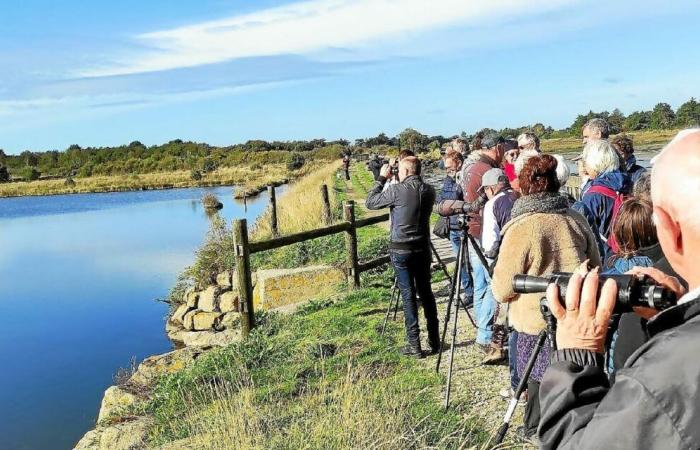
(245, 283)
(273, 215)
(326, 205)
(351, 246)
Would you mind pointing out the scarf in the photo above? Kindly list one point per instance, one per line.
(543, 202)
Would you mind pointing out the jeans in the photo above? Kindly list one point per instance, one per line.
(513, 359)
(413, 274)
(484, 303)
(455, 237)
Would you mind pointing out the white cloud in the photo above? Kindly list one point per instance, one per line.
(310, 27)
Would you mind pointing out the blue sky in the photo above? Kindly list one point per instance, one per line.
(105, 73)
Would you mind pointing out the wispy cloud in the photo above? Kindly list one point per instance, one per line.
(308, 27)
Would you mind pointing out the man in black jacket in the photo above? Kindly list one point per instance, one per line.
(411, 202)
(655, 400)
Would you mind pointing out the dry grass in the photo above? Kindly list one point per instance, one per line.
(641, 139)
(301, 207)
(240, 175)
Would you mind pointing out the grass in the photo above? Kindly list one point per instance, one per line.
(649, 138)
(322, 378)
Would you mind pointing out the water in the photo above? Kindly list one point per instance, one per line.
(79, 275)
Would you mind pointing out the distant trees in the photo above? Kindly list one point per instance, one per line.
(413, 140)
(30, 174)
(688, 114)
(4, 174)
(662, 117)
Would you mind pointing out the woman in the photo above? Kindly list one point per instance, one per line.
(543, 236)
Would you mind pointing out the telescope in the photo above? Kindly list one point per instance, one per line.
(631, 290)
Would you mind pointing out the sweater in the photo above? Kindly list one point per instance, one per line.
(543, 236)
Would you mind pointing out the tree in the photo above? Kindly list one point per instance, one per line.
(4, 175)
(616, 120)
(29, 158)
(688, 114)
(30, 174)
(638, 120)
(413, 140)
(662, 117)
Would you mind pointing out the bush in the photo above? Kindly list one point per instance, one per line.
(209, 165)
(196, 175)
(4, 175)
(210, 201)
(296, 161)
(214, 256)
(69, 182)
(30, 174)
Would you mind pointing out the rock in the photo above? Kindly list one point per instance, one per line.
(191, 297)
(179, 314)
(209, 299)
(224, 279)
(231, 320)
(156, 366)
(188, 319)
(283, 288)
(172, 327)
(228, 301)
(195, 339)
(122, 436)
(203, 321)
(115, 402)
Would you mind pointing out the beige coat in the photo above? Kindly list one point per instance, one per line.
(539, 243)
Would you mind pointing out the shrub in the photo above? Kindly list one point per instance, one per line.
(196, 175)
(30, 174)
(215, 255)
(210, 201)
(69, 182)
(209, 165)
(4, 175)
(296, 161)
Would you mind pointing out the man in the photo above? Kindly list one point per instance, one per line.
(654, 401)
(496, 214)
(624, 147)
(375, 165)
(451, 191)
(512, 151)
(411, 202)
(594, 129)
(490, 157)
(462, 146)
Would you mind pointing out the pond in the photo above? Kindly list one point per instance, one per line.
(79, 279)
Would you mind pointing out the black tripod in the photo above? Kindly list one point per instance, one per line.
(395, 298)
(463, 260)
(551, 331)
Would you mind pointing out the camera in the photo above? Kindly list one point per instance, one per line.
(463, 221)
(395, 171)
(631, 290)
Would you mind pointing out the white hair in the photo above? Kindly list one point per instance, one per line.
(522, 159)
(526, 139)
(563, 171)
(600, 157)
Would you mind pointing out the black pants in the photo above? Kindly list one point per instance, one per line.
(412, 270)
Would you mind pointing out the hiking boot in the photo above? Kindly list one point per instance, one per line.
(413, 350)
(493, 356)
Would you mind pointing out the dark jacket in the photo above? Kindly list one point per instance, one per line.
(471, 187)
(598, 208)
(634, 170)
(451, 190)
(375, 165)
(411, 203)
(653, 403)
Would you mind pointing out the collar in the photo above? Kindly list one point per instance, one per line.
(487, 159)
(687, 308)
(543, 202)
(410, 178)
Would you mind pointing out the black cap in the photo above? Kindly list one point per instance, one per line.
(491, 140)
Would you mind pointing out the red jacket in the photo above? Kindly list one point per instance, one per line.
(471, 182)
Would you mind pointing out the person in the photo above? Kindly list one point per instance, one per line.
(490, 157)
(654, 400)
(411, 203)
(624, 147)
(608, 186)
(529, 141)
(375, 165)
(543, 236)
(594, 130)
(496, 214)
(511, 155)
(461, 145)
(642, 187)
(452, 190)
(346, 165)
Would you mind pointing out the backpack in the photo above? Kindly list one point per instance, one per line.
(619, 198)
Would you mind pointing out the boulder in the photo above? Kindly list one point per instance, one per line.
(172, 327)
(115, 402)
(231, 320)
(130, 435)
(228, 301)
(199, 339)
(203, 320)
(188, 319)
(284, 288)
(179, 314)
(191, 297)
(223, 280)
(209, 299)
(156, 366)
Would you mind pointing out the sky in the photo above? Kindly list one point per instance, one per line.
(105, 73)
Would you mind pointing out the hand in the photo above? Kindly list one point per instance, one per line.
(385, 171)
(584, 322)
(660, 278)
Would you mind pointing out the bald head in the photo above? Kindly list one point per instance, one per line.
(675, 189)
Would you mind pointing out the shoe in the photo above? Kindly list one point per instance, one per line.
(413, 351)
(493, 356)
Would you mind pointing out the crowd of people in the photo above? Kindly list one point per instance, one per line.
(521, 218)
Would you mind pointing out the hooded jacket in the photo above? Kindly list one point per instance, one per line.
(543, 236)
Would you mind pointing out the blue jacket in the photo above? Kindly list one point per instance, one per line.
(597, 208)
(634, 170)
(620, 265)
(451, 190)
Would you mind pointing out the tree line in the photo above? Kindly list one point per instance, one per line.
(200, 158)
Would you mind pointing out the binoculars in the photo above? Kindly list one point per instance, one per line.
(631, 290)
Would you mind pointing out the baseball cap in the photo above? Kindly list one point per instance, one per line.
(491, 140)
(493, 177)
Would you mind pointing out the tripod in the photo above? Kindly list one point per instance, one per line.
(395, 297)
(551, 331)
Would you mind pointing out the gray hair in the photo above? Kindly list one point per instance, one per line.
(642, 187)
(563, 171)
(529, 141)
(600, 157)
(599, 125)
(522, 159)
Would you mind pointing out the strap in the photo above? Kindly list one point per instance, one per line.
(603, 190)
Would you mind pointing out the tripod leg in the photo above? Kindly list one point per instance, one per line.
(541, 338)
(388, 310)
(454, 291)
(397, 300)
(467, 262)
(452, 355)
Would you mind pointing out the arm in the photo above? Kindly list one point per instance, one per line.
(377, 198)
(490, 230)
(512, 260)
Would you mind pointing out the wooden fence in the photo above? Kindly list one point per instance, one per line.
(244, 248)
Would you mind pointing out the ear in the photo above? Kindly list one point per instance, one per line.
(670, 236)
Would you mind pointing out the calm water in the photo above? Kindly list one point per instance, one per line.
(79, 275)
